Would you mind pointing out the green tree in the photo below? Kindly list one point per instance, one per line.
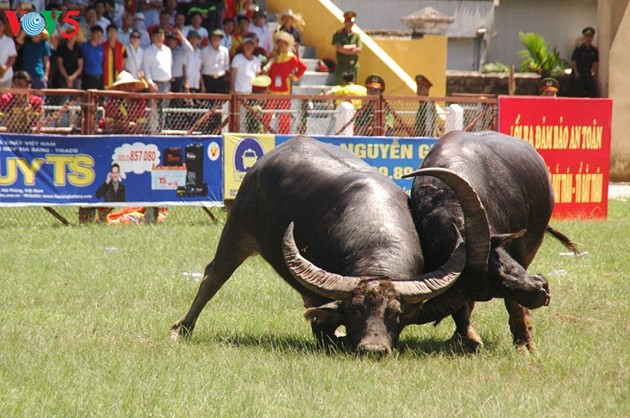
(535, 57)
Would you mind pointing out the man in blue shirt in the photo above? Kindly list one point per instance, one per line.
(93, 53)
(35, 54)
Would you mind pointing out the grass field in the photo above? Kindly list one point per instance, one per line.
(86, 313)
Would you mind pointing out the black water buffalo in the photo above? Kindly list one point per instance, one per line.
(351, 222)
(507, 181)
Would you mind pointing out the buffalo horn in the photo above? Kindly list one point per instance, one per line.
(430, 285)
(475, 218)
(338, 287)
(319, 281)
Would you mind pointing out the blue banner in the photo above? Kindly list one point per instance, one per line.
(110, 170)
(392, 156)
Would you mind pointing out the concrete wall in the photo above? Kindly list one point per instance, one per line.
(616, 15)
(323, 18)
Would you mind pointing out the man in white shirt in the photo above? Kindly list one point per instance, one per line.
(215, 64)
(8, 54)
(180, 48)
(261, 28)
(195, 24)
(229, 25)
(158, 63)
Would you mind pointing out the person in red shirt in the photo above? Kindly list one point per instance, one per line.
(114, 55)
(21, 112)
(283, 68)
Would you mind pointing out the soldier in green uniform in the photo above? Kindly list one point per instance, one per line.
(348, 46)
(426, 117)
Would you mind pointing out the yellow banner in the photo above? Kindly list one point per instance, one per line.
(241, 151)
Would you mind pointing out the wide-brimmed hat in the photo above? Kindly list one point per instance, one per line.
(125, 78)
(261, 81)
(286, 12)
(281, 35)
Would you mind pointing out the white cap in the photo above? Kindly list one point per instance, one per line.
(138, 16)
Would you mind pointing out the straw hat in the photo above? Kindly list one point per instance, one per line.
(281, 35)
(261, 81)
(126, 79)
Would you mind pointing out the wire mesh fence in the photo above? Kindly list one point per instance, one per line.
(64, 112)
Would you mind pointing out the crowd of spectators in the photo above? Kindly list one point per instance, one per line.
(169, 45)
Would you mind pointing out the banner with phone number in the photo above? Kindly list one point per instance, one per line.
(70, 170)
(573, 137)
(393, 157)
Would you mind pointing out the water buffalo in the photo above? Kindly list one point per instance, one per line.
(351, 222)
(507, 180)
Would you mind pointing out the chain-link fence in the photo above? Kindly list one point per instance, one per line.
(63, 112)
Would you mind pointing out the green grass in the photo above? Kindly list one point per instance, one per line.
(85, 332)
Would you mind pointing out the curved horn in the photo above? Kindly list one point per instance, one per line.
(430, 285)
(475, 218)
(319, 281)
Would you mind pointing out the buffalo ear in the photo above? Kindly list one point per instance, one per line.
(501, 240)
(328, 313)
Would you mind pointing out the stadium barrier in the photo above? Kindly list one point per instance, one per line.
(77, 112)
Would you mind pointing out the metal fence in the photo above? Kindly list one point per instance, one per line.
(64, 112)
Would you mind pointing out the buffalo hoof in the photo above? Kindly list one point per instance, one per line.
(470, 343)
(179, 331)
(525, 347)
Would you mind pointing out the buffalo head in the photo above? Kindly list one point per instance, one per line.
(371, 308)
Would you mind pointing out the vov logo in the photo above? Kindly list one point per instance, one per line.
(34, 23)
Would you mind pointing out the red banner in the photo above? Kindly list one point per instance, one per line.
(573, 137)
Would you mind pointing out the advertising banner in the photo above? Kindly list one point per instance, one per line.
(573, 137)
(110, 170)
(393, 157)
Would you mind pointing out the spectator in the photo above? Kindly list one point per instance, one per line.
(215, 65)
(284, 67)
(35, 51)
(195, 24)
(180, 21)
(245, 67)
(139, 25)
(261, 28)
(241, 32)
(29, 5)
(8, 54)
(135, 56)
(114, 55)
(88, 21)
(365, 119)
(124, 115)
(164, 23)
(180, 47)
(124, 33)
(293, 24)
(158, 63)
(101, 19)
(93, 53)
(348, 47)
(171, 7)
(585, 66)
(21, 112)
(549, 87)
(151, 11)
(217, 18)
(205, 9)
(349, 88)
(229, 27)
(69, 58)
(192, 65)
(426, 123)
(259, 51)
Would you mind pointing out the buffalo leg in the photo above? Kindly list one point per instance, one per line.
(233, 249)
(520, 325)
(464, 332)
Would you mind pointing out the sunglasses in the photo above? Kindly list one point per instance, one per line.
(135, 37)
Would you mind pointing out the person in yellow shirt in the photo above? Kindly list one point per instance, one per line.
(349, 89)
